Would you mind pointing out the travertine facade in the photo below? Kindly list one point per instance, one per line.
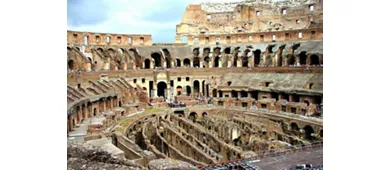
(252, 21)
(205, 102)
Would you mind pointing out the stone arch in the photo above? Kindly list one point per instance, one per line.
(157, 59)
(193, 116)
(227, 50)
(195, 52)
(314, 59)
(178, 62)
(183, 39)
(216, 61)
(290, 59)
(257, 56)
(187, 62)
(188, 90)
(308, 132)
(71, 65)
(294, 126)
(147, 64)
(161, 89)
(179, 90)
(303, 58)
(196, 61)
(196, 87)
(204, 114)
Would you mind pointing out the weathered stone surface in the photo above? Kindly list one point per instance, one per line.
(170, 164)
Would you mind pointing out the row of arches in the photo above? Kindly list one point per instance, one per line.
(195, 90)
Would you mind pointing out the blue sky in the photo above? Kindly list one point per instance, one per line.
(156, 17)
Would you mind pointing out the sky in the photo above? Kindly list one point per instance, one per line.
(156, 17)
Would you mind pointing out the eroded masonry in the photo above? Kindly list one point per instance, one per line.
(242, 81)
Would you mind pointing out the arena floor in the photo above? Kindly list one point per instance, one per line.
(314, 156)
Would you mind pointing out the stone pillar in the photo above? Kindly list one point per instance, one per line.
(124, 66)
(290, 97)
(111, 103)
(191, 63)
(86, 112)
(220, 62)
(164, 64)
(239, 62)
(229, 64)
(238, 94)
(105, 107)
(182, 63)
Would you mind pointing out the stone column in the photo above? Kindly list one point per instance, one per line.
(191, 63)
(239, 62)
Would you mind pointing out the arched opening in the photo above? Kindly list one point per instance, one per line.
(204, 114)
(122, 113)
(188, 90)
(183, 39)
(179, 90)
(214, 92)
(94, 112)
(161, 89)
(302, 58)
(196, 62)
(314, 60)
(308, 132)
(294, 127)
(100, 50)
(147, 64)
(196, 87)
(178, 63)
(244, 94)
(187, 62)
(120, 103)
(71, 64)
(257, 55)
(321, 133)
(290, 60)
(216, 61)
(234, 94)
(193, 116)
(157, 59)
(227, 50)
(245, 61)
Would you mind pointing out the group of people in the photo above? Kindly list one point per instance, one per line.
(177, 104)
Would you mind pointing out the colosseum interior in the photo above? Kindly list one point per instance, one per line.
(242, 82)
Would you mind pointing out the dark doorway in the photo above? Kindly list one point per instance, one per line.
(216, 61)
(71, 64)
(188, 90)
(302, 58)
(196, 87)
(187, 62)
(257, 55)
(314, 60)
(157, 59)
(147, 64)
(178, 64)
(161, 89)
(196, 62)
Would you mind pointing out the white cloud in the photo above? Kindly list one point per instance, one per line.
(128, 17)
